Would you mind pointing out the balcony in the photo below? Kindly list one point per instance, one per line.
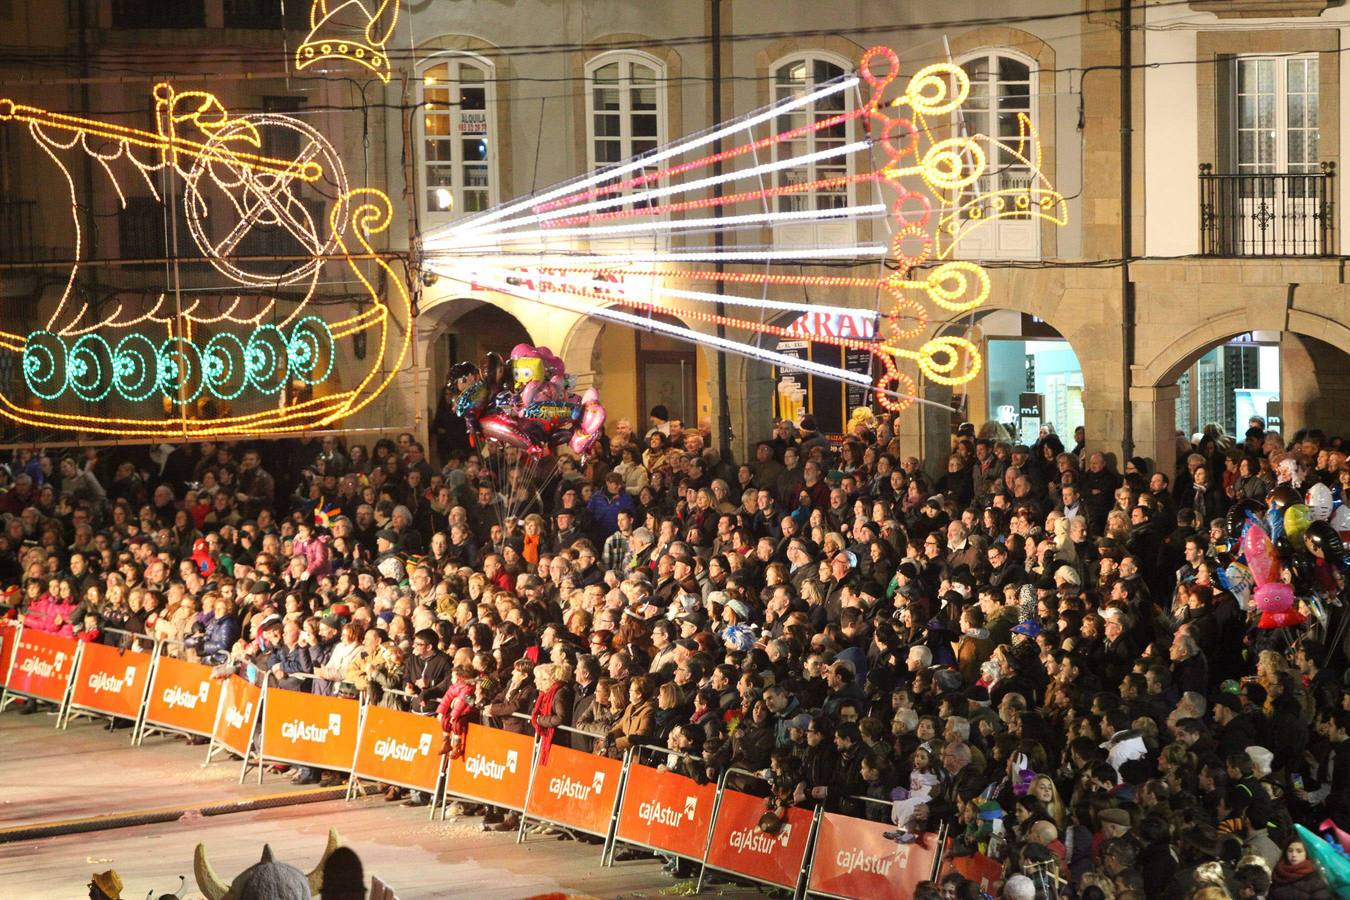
(266, 14)
(16, 231)
(159, 14)
(1267, 214)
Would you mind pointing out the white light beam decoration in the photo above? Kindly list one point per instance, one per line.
(633, 244)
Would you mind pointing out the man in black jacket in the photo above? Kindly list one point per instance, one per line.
(427, 672)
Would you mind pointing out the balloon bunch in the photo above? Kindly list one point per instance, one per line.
(1287, 547)
(527, 402)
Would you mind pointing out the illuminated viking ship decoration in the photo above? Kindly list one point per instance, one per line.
(226, 371)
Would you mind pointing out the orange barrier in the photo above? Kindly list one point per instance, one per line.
(399, 748)
(237, 716)
(41, 665)
(575, 789)
(309, 730)
(110, 681)
(977, 868)
(183, 697)
(666, 812)
(8, 632)
(739, 846)
(495, 767)
(853, 860)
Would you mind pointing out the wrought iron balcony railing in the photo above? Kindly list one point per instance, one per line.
(1267, 213)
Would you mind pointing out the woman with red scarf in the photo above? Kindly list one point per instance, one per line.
(552, 707)
(1296, 877)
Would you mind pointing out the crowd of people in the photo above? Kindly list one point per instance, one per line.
(1027, 644)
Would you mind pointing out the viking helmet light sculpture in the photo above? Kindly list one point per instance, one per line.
(265, 880)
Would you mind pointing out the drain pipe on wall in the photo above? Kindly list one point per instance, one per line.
(1126, 227)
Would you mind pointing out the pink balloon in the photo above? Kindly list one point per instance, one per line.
(505, 430)
(1260, 553)
(1276, 602)
(592, 421)
(1274, 597)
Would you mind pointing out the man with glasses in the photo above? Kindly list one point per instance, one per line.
(427, 672)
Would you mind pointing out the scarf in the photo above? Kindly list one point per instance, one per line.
(1285, 872)
(543, 706)
(531, 549)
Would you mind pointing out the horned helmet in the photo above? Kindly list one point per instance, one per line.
(265, 880)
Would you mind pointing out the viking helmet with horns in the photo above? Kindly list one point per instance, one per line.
(266, 880)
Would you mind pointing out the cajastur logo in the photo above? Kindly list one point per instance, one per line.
(752, 840)
(392, 748)
(857, 860)
(181, 699)
(479, 766)
(299, 730)
(102, 682)
(566, 788)
(659, 814)
(238, 718)
(39, 669)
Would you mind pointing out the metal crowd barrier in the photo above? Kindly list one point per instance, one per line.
(488, 783)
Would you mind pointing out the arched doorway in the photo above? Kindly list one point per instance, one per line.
(1032, 377)
(1294, 376)
(636, 369)
(464, 329)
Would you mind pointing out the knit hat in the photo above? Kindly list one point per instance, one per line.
(738, 637)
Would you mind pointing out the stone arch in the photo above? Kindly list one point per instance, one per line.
(1180, 353)
(581, 348)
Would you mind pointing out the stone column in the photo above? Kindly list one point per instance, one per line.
(1155, 425)
(925, 429)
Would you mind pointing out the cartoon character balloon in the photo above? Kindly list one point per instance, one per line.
(527, 403)
(1272, 597)
(1321, 502)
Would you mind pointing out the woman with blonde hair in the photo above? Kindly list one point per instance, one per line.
(1043, 789)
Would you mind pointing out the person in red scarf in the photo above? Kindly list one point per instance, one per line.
(457, 709)
(1297, 878)
(552, 707)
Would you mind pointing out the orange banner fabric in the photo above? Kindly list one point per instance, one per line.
(853, 859)
(183, 696)
(240, 703)
(739, 846)
(400, 748)
(310, 730)
(111, 681)
(42, 665)
(495, 767)
(576, 789)
(666, 811)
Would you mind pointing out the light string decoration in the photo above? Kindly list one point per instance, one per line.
(244, 361)
(633, 242)
(354, 30)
